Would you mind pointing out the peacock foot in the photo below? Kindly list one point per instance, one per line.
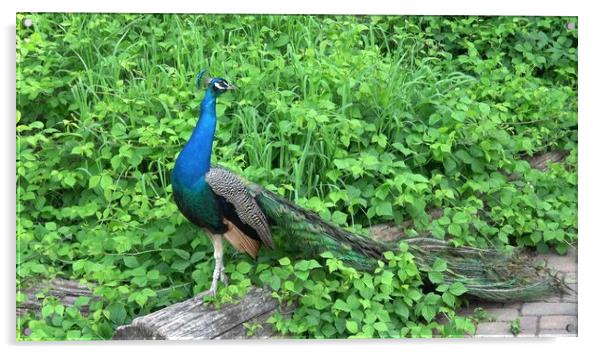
(218, 272)
(219, 275)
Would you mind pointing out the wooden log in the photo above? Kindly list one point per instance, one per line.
(191, 319)
(67, 291)
(540, 161)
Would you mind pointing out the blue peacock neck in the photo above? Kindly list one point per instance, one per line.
(194, 160)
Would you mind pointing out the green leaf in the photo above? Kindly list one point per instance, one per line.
(444, 220)
(282, 40)
(457, 289)
(328, 330)
(183, 254)
(341, 305)
(442, 287)
(464, 156)
(439, 265)
(435, 277)
(384, 208)
(449, 299)
(381, 326)
(275, 283)
(243, 267)
(428, 312)
(82, 301)
(387, 277)
(59, 309)
(74, 334)
(351, 326)
(484, 108)
(47, 310)
(197, 256)
(130, 261)
(106, 181)
(549, 235)
(153, 274)
(459, 116)
(326, 255)
(454, 229)
(302, 265)
(284, 261)
(339, 218)
(69, 181)
(313, 264)
(117, 313)
(460, 218)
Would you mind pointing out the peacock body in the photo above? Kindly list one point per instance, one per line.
(220, 202)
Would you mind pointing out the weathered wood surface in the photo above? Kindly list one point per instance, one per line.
(541, 161)
(67, 291)
(191, 319)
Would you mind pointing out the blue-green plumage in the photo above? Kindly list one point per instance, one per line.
(191, 192)
(198, 204)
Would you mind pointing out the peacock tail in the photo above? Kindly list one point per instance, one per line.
(312, 235)
(487, 274)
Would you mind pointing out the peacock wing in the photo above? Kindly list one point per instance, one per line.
(229, 186)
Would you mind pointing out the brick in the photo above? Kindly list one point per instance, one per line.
(572, 297)
(563, 263)
(528, 325)
(563, 323)
(555, 298)
(513, 305)
(570, 278)
(493, 328)
(486, 304)
(549, 308)
(528, 328)
(555, 333)
(469, 310)
(572, 327)
(572, 253)
(502, 314)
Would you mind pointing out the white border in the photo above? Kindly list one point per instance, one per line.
(589, 159)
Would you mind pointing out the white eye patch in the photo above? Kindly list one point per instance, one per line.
(221, 85)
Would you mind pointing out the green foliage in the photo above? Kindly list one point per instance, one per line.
(363, 119)
(337, 301)
(515, 326)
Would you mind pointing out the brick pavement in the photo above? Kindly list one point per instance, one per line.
(555, 316)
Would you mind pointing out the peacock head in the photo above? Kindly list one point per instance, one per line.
(216, 84)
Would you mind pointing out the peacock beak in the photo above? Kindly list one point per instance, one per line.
(231, 87)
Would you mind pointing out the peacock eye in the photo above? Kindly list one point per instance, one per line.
(222, 84)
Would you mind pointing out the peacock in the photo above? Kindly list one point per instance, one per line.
(245, 214)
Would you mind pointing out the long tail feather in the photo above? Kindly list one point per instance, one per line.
(314, 235)
(486, 273)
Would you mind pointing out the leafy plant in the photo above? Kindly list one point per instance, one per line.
(515, 326)
(336, 301)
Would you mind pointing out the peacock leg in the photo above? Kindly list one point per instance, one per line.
(218, 271)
